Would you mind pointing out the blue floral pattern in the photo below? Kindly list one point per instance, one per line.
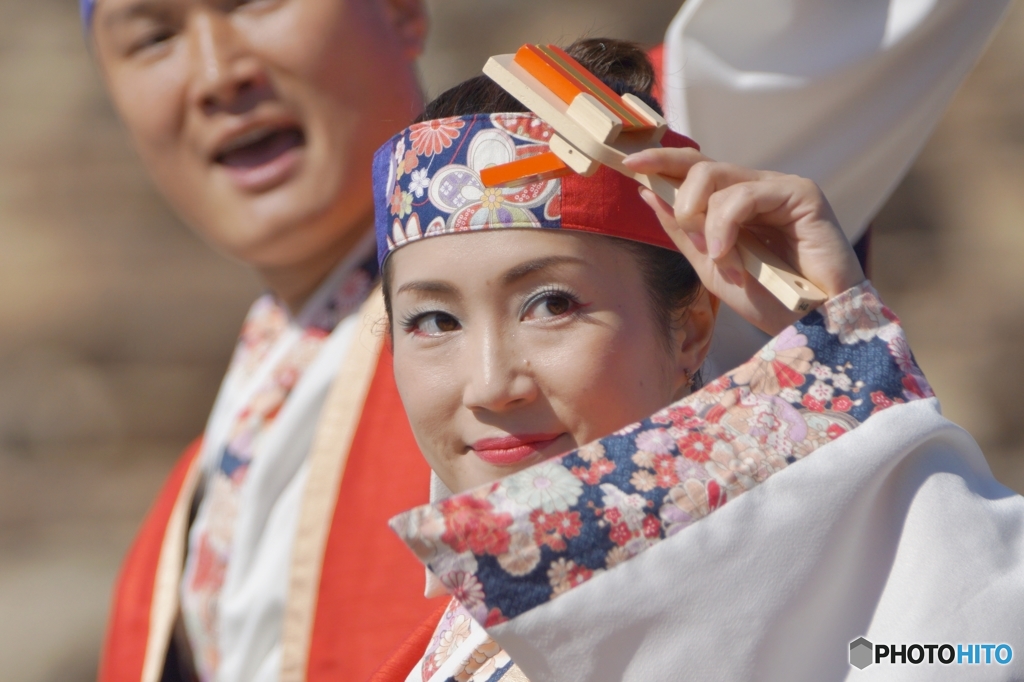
(507, 547)
(426, 179)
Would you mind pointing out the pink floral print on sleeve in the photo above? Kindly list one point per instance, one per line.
(505, 548)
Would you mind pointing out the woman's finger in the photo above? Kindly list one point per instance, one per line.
(683, 239)
(672, 162)
(732, 208)
(704, 179)
(693, 246)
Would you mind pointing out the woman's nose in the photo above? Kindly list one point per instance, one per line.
(497, 379)
(227, 76)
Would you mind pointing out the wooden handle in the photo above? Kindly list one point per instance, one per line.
(793, 290)
(589, 134)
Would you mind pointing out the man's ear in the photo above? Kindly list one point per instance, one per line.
(409, 21)
(691, 339)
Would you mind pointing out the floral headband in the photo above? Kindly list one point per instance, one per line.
(426, 183)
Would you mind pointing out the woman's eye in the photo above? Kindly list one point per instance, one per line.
(433, 324)
(551, 305)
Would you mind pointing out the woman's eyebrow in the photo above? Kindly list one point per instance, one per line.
(532, 266)
(429, 287)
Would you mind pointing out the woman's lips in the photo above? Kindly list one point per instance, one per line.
(266, 162)
(509, 450)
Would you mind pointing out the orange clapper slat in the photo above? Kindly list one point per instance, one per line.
(566, 78)
(525, 171)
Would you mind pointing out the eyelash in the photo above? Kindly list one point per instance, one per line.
(155, 38)
(411, 321)
(566, 293)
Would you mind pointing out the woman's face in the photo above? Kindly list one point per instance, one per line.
(512, 346)
(258, 119)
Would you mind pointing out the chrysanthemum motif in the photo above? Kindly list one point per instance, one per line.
(450, 640)
(433, 137)
(564, 575)
(617, 555)
(548, 486)
(696, 446)
(464, 587)
(591, 452)
(643, 480)
(522, 556)
(657, 441)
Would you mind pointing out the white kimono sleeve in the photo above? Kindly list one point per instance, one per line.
(756, 529)
(843, 92)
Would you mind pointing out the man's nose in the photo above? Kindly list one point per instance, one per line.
(498, 379)
(228, 77)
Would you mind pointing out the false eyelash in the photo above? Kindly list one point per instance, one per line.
(554, 291)
(410, 320)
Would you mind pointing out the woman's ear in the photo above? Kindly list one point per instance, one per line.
(408, 20)
(691, 340)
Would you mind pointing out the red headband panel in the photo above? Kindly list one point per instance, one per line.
(609, 203)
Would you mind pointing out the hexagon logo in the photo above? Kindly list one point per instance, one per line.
(860, 653)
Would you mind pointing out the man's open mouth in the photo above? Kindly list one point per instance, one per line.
(259, 147)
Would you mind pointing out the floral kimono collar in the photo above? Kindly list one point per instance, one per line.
(508, 547)
(250, 428)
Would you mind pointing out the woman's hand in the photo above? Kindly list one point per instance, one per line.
(788, 213)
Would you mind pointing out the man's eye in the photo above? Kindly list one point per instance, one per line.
(551, 305)
(242, 3)
(151, 39)
(433, 324)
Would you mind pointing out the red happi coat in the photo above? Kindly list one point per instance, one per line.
(355, 592)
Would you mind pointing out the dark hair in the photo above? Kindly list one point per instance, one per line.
(671, 282)
(623, 66)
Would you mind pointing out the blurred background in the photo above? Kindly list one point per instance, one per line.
(116, 323)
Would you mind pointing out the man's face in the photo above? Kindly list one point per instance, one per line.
(259, 119)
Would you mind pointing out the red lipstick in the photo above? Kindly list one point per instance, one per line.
(509, 450)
